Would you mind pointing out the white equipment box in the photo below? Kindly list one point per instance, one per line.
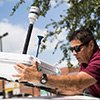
(8, 60)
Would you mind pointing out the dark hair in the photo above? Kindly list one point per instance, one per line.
(84, 35)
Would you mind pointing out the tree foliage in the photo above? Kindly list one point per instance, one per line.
(81, 14)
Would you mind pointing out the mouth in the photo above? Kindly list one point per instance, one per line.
(77, 58)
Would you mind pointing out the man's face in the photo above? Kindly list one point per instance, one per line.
(84, 54)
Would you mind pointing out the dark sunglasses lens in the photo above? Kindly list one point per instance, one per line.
(76, 48)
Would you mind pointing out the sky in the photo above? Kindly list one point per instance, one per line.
(17, 26)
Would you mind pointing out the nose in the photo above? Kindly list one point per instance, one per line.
(74, 52)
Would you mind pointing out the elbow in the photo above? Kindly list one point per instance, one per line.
(79, 88)
(79, 85)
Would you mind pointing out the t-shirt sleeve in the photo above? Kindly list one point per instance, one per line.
(93, 69)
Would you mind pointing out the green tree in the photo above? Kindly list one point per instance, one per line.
(81, 14)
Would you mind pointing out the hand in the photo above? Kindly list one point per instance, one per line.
(28, 73)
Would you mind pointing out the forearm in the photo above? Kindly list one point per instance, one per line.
(61, 86)
(76, 83)
(69, 83)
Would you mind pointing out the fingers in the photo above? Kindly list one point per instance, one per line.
(17, 75)
(21, 65)
(34, 64)
(18, 68)
(20, 80)
(25, 71)
(24, 66)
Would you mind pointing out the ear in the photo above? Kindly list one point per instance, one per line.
(91, 45)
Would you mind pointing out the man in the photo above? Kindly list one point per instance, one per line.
(86, 51)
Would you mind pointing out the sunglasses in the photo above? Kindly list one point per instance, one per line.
(77, 48)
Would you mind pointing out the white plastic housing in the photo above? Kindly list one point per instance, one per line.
(34, 14)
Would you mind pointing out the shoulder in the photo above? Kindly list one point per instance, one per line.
(95, 58)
